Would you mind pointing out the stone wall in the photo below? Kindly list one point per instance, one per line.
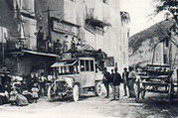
(144, 54)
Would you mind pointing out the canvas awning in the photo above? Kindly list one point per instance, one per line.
(66, 63)
(30, 52)
(40, 53)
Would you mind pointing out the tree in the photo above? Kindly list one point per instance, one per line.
(168, 5)
(172, 7)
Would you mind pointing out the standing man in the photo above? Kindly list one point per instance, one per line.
(125, 75)
(132, 78)
(7, 83)
(112, 76)
(116, 84)
(106, 81)
(42, 84)
(40, 39)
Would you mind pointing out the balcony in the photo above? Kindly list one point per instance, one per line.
(94, 23)
(95, 18)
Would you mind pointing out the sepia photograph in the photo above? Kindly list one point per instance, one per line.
(88, 58)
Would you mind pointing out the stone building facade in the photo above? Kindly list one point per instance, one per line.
(96, 22)
(19, 28)
(144, 54)
(18, 16)
(153, 45)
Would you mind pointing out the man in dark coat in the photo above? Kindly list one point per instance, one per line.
(3, 86)
(125, 75)
(112, 76)
(2, 82)
(116, 85)
(106, 81)
(7, 83)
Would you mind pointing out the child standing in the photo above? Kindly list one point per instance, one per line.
(35, 92)
(13, 96)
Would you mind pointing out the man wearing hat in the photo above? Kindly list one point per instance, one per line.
(106, 80)
(116, 84)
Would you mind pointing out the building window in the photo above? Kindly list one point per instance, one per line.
(92, 65)
(105, 1)
(165, 59)
(82, 65)
(167, 42)
(87, 65)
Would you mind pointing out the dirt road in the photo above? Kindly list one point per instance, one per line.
(95, 107)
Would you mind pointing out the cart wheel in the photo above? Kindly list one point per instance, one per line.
(76, 92)
(137, 89)
(171, 93)
(98, 89)
(50, 93)
(1, 101)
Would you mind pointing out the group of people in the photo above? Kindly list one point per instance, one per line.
(114, 79)
(22, 91)
(28, 89)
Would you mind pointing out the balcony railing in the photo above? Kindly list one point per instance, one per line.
(93, 20)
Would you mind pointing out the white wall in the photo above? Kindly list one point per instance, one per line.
(28, 6)
(114, 41)
(3, 34)
(145, 53)
(29, 32)
(70, 11)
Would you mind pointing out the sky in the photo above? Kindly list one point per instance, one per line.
(141, 13)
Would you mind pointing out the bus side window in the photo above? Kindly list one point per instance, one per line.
(82, 65)
(96, 68)
(92, 65)
(60, 70)
(71, 69)
(77, 69)
(87, 65)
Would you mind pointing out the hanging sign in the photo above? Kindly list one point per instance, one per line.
(64, 28)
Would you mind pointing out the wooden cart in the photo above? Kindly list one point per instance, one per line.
(155, 78)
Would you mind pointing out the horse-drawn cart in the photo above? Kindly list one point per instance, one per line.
(157, 79)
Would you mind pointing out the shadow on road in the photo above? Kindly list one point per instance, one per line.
(86, 97)
(160, 105)
(69, 99)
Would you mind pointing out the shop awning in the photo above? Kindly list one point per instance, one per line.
(30, 52)
(40, 53)
(65, 63)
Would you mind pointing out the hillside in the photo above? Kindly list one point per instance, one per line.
(157, 30)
